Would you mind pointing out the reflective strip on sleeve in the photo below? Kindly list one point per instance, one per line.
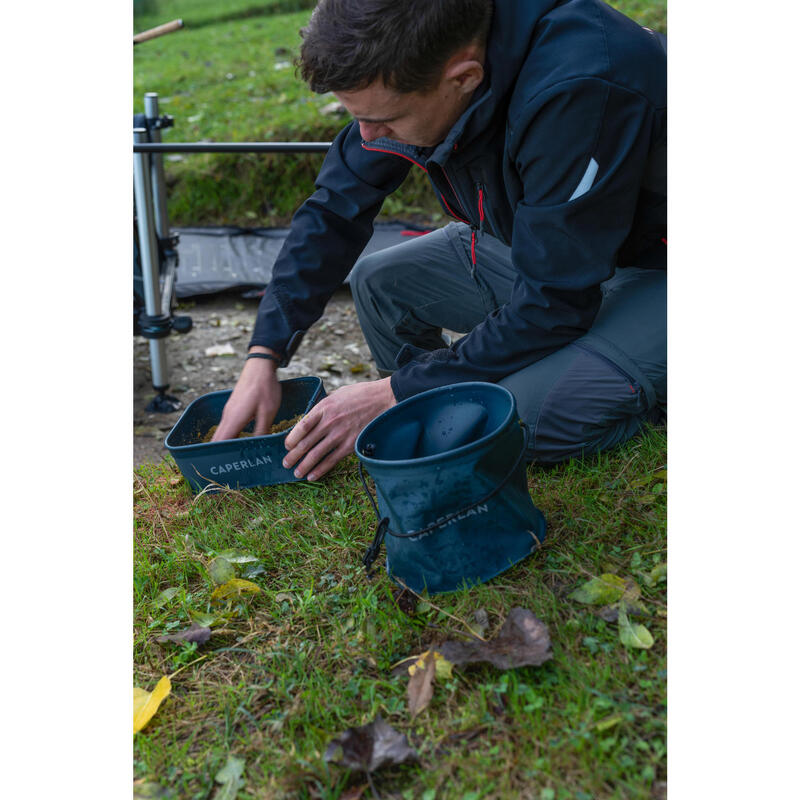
(587, 180)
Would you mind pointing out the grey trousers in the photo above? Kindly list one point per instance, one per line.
(592, 394)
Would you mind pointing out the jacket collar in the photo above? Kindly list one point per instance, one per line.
(510, 40)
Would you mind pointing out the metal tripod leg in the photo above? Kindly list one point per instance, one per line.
(159, 194)
(148, 245)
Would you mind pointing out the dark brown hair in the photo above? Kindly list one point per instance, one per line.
(349, 44)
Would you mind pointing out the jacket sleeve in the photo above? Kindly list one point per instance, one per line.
(579, 156)
(327, 235)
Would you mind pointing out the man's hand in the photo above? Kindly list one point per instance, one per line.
(328, 432)
(257, 394)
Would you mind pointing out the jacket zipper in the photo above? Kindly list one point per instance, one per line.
(481, 216)
(479, 229)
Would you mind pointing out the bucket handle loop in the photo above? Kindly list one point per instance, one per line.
(383, 522)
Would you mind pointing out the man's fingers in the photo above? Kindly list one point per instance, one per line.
(314, 456)
(264, 417)
(299, 431)
(303, 436)
(228, 428)
(329, 461)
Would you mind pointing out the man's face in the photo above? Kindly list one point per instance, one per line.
(411, 118)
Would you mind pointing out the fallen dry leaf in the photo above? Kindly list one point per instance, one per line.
(600, 591)
(370, 747)
(523, 640)
(354, 792)
(420, 684)
(631, 635)
(233, 588)
(194, 633)
(230, 776)
(150, 790)
(221, 570)
(145, 703)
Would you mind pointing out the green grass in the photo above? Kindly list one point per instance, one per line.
(311, 654)
(222, 79)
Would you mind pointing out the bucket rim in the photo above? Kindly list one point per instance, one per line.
(271, 437)
(465, 449)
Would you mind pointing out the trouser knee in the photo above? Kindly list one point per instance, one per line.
(365, 277)
(600, 390)
(576, 403)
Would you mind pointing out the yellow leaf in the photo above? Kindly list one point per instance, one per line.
(419, 663)
(234, 587)
(145, 704)
(444, 669)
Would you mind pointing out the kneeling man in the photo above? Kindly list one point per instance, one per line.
(542, 127)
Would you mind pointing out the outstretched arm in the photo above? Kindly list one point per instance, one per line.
(257, 395)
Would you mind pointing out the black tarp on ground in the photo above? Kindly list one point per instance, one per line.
(220, 259)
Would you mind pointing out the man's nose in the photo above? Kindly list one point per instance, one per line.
(371, 130)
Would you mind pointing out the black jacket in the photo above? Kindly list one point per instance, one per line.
(562, 155)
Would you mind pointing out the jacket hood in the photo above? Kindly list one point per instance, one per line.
(510, 40)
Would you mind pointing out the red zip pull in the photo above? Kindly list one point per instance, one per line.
(480, 220)
(474, 263)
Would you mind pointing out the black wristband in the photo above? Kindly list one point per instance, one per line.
(263, 355)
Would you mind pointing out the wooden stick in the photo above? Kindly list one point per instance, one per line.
(167, 27)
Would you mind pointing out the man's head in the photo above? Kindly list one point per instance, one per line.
(405, 69)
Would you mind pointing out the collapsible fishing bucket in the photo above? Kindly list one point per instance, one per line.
(238, 463)
(453, 502)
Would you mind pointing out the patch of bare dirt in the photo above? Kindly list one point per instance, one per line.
(333, 349)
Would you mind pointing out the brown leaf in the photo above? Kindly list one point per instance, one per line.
(370, 747)
(610, 613)
(522, 641)
(354, 793)
(420, 684)
(194, 633)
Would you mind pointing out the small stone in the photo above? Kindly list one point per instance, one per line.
(220, 350)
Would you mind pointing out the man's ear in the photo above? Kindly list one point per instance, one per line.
(465, 73)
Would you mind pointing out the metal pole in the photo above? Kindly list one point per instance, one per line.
(148, 247)
(159, 188)
(232, 147)
(157, 168)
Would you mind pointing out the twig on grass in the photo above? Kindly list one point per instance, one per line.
(181, 669)
(213, 488)
(446, 613)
